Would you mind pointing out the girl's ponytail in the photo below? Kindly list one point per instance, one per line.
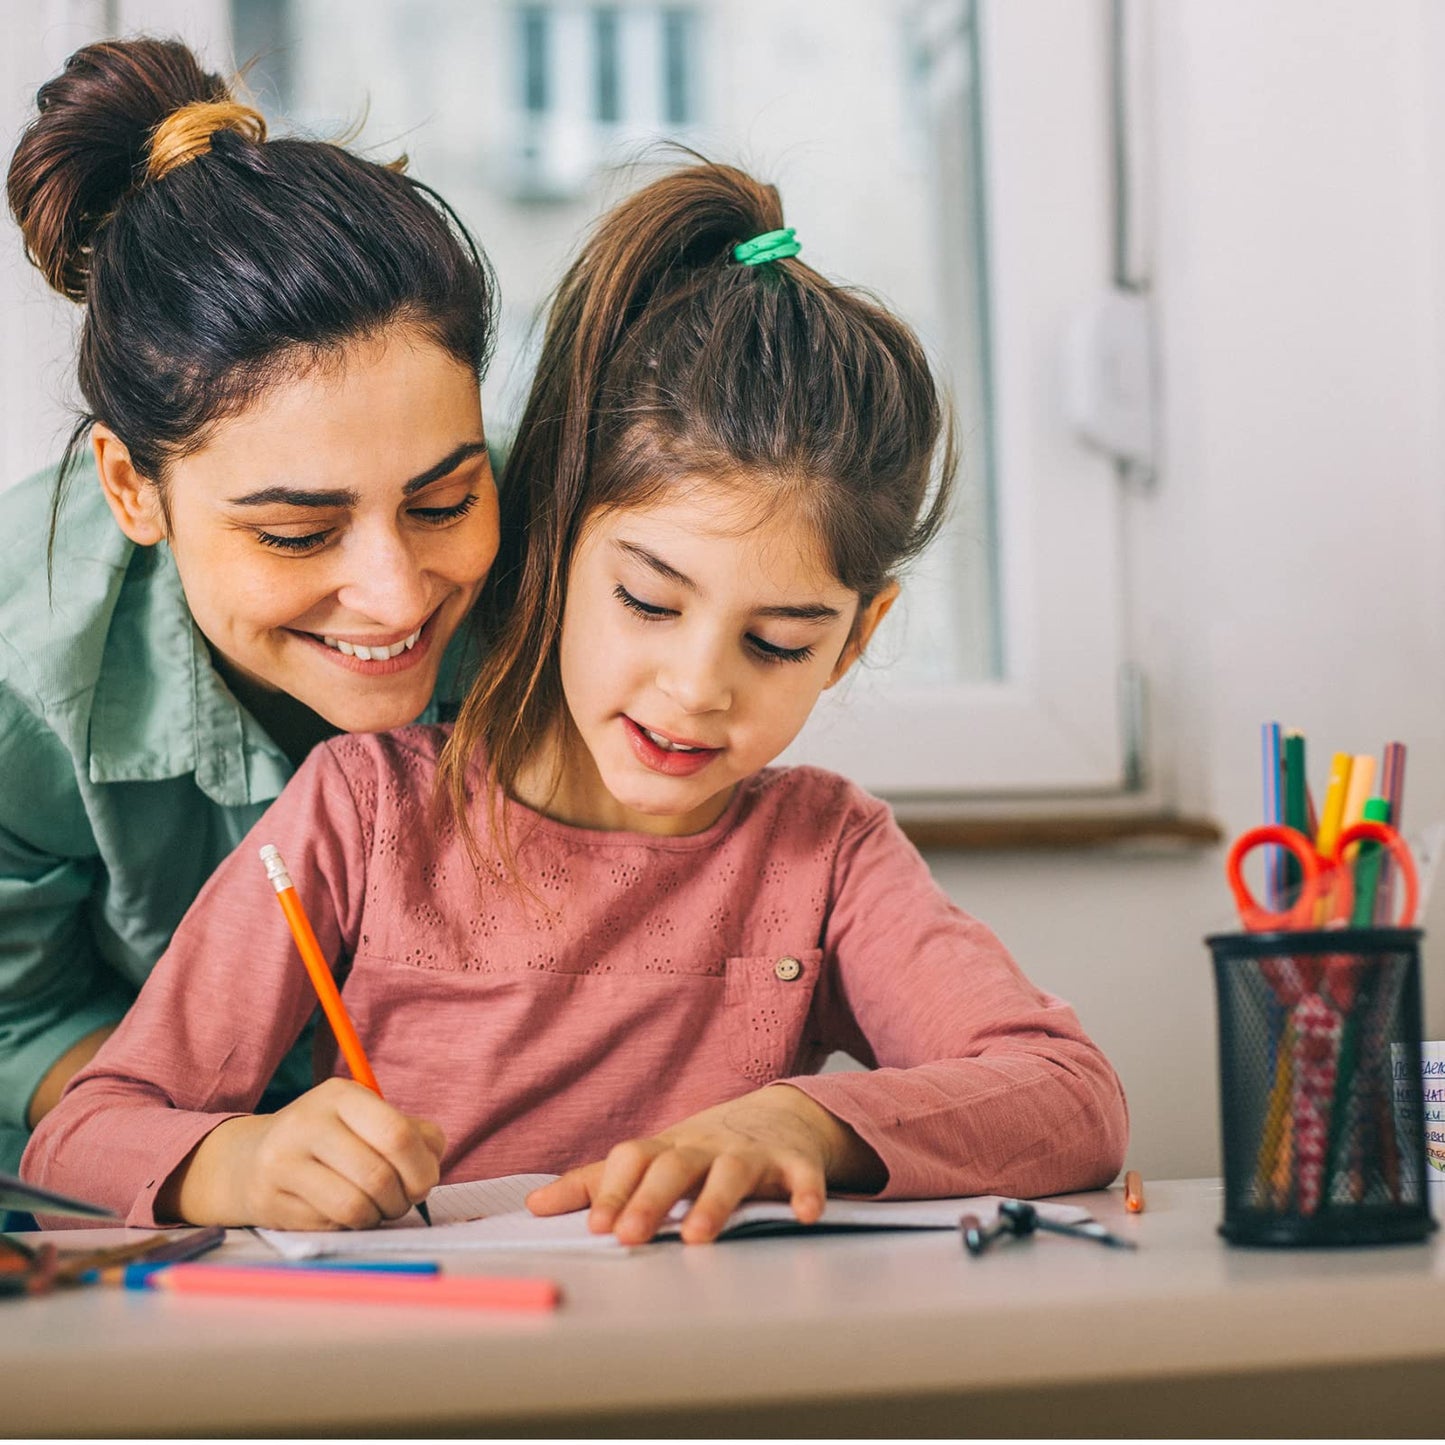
(648, 247)
(88, 147)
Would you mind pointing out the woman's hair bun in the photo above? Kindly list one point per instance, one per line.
(89, 145)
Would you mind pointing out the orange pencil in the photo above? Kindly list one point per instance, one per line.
(321, 979)
(464, 1291)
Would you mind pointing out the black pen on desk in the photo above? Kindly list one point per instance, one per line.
(1026, 1219)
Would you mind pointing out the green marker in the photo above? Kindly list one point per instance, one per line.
(1367, 867)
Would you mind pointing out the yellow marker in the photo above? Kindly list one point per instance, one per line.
(1332, 817)
(1333, 813)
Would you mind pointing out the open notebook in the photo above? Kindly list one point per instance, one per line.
(491, 1215)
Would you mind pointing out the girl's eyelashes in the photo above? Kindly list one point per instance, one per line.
(770, 652)
(767, 652)
(637, 605)
(428, 516)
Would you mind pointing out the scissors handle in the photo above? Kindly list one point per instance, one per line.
(1370, 831)
(1319, 874)
(1252, 914)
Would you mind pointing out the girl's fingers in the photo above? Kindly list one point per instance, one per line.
(397, 1140)
(572, 1190)
(432, 1136)
(366, 1171)
(730, 1180)
(339, 1203)
(806, 1186)
(622, 1172)
(669, 1177)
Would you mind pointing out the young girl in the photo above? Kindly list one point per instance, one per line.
(625, 935)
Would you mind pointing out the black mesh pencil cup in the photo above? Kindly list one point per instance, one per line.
(1320, 1096)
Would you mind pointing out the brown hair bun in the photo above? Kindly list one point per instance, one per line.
(87, 147)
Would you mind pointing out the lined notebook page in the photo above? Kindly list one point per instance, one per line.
(456, 1203)
(490, 1214)
(487, 1214)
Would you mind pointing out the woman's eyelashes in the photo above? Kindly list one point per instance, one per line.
(763, 651)
(313, 541)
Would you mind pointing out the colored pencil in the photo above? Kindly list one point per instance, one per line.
(1271, 762)
(344, 1287)
(1362, 789)
(321, 979)
(1295, 806)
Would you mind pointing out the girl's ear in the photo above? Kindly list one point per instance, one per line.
(863, 630)
(134, 500)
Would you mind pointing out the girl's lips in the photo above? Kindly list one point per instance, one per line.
(663, 760)
(376, 667)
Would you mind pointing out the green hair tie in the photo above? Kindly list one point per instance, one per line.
(770, 246)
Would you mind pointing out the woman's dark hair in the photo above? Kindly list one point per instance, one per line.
(664, 359)
(213, 262)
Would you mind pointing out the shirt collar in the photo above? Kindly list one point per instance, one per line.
(161, 709)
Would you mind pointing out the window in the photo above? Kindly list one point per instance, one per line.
(950, 155)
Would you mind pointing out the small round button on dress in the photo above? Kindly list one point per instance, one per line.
(787, 969)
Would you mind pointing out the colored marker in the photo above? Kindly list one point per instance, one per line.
(321, 979)
(1333, 817)
(137, 1276)
(1367, 869)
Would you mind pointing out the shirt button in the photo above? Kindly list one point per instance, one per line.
(788, 969)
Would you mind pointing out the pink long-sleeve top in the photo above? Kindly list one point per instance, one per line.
(636, 981)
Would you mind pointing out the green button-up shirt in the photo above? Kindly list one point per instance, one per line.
(128, 770)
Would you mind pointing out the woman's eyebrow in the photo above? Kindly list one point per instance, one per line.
(800, 612)
(346, 496)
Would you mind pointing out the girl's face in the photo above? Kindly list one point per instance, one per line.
(694, 646)
(332, 537)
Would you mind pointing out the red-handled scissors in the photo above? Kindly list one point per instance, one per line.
(1324, 876)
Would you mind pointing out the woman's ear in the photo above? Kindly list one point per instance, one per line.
(863, 630)
(134, 500)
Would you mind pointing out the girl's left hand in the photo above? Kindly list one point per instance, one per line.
(775, 1143)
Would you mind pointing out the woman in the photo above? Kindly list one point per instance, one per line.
(288, 513)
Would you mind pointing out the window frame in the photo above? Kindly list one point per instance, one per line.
(1055, 723)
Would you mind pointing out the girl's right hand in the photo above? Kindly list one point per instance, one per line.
(339, 1157)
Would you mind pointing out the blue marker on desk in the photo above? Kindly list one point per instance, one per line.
(137, 1276)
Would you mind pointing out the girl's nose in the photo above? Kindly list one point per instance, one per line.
(695, 679)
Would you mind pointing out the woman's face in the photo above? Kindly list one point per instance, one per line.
(332, 537)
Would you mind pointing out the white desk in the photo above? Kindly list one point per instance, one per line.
(887, 1334)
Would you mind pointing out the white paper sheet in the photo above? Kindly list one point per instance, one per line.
(489, 1214)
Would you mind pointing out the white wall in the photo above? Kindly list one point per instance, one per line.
(1289, 564)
